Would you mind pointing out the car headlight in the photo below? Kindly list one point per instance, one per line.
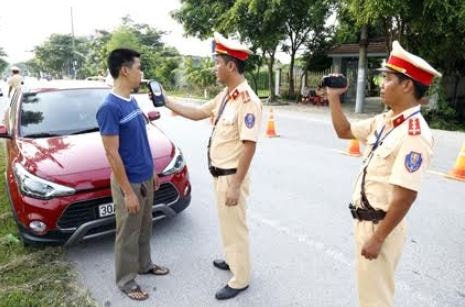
(36, 187)
(176, 164)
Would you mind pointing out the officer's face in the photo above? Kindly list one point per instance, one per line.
(223, 69)
(220, 68)
(392, 90)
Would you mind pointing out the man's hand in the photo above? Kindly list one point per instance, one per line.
(335, 93)
(232, 196)
(371, 248)
(132, 203)
(156, 182)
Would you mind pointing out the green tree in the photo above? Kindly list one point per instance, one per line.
(258, 22)
(56, 55)
(433, 29)
(244, 17)
(200, 17)
(158, 61)
(123, 37)
(161, 64)
(95, 61)
(3, 62)
(304, 20)
(199, 74)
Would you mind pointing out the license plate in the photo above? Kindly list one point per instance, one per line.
(106, 210)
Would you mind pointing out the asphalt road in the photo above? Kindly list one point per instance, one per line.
(301, 231)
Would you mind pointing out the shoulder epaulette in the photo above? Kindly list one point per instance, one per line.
(414, 126)
(245, 96)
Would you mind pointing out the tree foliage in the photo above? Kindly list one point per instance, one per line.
(200, 17)
(304, 20)
(56, 55)
(433, 29)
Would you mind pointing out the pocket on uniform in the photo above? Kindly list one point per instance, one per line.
(382, 160)
(384, 151)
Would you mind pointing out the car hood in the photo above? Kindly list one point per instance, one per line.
(79, 161)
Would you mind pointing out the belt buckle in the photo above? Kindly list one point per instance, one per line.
(376, 216)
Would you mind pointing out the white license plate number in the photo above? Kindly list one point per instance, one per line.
(106, 210)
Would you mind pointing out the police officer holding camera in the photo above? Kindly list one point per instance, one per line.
(237, 114)
(399, 149)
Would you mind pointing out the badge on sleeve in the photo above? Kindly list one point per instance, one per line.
(249, 120)
(413, 161)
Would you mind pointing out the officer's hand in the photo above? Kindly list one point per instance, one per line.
(371, 248)
(335, 93)
(132, 203)
(156, 182)
(232, 196)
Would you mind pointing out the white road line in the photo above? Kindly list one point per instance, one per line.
(303, 238)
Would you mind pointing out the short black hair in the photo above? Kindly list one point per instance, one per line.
(419, 88)
(119, 58)
(240, 65)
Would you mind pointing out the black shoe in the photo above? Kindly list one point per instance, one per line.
(227, 292)
(221, 264)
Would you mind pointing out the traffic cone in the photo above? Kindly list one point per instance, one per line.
(270, 128)
(458, 172)
(354, 148)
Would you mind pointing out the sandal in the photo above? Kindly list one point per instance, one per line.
(157, 270)
(136, 294)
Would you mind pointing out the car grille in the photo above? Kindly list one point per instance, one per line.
(82, 212)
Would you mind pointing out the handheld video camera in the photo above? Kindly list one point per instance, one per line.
(157, 93)
(334, 81)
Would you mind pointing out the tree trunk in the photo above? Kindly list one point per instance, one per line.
(291, 75)
(361, 74)
(271, 97)
(456, 89)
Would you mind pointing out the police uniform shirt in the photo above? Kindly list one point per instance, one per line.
(15, 81)
(401, 159)
(240, 121)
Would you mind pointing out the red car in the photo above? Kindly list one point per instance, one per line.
(57, 174)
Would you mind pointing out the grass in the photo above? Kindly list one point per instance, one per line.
(33, 276)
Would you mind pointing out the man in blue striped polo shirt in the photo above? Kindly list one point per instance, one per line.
(123, 130)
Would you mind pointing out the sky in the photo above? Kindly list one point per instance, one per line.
(25, 24)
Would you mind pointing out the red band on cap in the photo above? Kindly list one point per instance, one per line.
(241, 55)
(412, 71)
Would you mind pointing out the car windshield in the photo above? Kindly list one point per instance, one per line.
(62, 112)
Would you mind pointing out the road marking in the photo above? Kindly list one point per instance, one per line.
(303, 238)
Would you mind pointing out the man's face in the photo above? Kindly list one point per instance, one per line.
(391, 89)
(221, 69)
(133, 73)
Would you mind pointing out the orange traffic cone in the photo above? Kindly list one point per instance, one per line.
(458, 172)
(354, 148)
(270, 128)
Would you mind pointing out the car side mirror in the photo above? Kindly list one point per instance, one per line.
(153, 115)
(4, 132)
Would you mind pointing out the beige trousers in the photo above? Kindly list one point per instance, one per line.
(133, 233)
(375, 278)
(234, 231)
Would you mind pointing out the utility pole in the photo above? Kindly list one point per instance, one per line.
(74, 44)
(361, 74)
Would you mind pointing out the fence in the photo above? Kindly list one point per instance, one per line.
(309, 79)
